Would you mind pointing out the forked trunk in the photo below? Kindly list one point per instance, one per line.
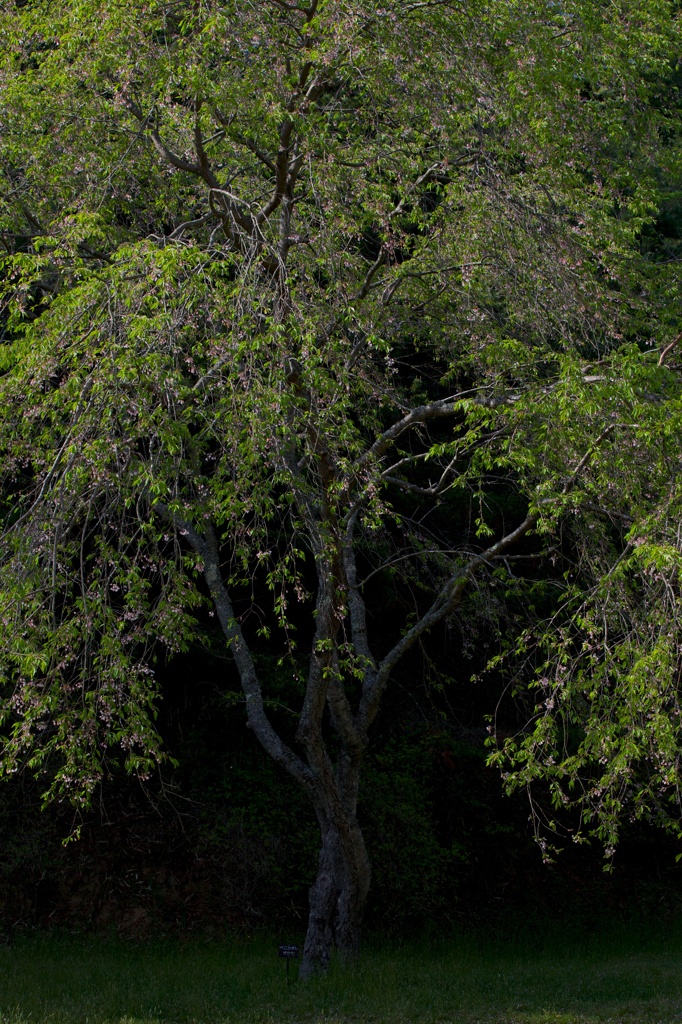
(337, 900)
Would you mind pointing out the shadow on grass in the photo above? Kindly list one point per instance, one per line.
(546, 978)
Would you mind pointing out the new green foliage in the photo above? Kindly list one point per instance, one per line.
(281, 282)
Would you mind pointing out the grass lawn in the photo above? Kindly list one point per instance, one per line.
(545, 979)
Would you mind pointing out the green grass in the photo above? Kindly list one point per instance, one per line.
(545, 979)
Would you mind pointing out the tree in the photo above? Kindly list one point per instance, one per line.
(282, 282)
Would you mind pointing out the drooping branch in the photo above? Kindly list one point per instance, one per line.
(432, 490)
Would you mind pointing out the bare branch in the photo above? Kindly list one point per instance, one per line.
(536, 556)
(201, 169)
(408, 460)
(391, 287)
(417, 553)
(447, 474)
(230, 212)
(429, 492)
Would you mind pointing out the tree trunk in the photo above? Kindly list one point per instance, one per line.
(350, 905)
(324, 894)
(337, 899)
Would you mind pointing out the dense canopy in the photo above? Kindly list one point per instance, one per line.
(309, 302)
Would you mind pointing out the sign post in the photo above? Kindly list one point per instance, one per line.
(288, 953)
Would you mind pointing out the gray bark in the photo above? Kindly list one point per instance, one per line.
(337, 899)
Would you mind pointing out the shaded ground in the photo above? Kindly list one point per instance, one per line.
(550, 979)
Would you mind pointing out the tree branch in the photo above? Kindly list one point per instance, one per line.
(451, 594)
(206, 547)
(258, 153)
(196, 223)
(379, 262)
(340, 710)
(669, 348)
(281, 173)
(422, 414)
(204, 164)
(173, 158)
(356, 603)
